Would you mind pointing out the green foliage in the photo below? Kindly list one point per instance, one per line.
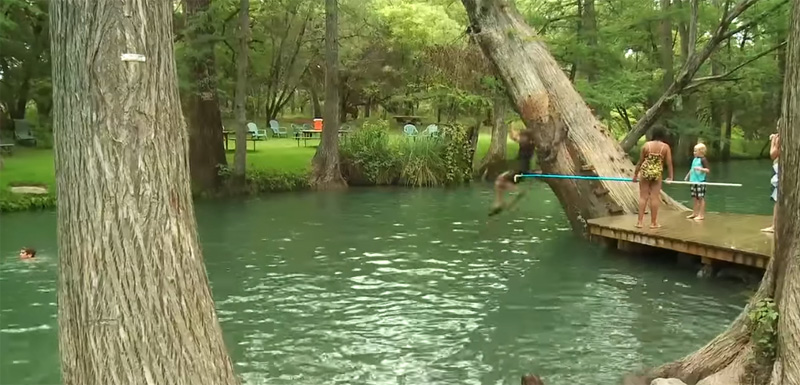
(23, 202)
(370, 156)
(457, 155)
(260, 181)
(764, 336)
(763, 329)
(367, 157)
(420, 161)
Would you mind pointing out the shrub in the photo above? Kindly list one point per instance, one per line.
(420, 161)
(22, 202)
(366, 156)
(371, 157)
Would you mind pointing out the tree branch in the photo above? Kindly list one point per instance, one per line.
(724, 77)
(689, 69)
(754, 21)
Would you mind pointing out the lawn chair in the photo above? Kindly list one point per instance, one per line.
(23, 132)
(410, 131)
(6, 148)
(277, 130)
(255, 133)
(432, 131)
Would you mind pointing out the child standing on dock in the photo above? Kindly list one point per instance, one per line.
(697, 174)
(655, 155)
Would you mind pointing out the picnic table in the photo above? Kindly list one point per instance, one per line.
(310, 134)
(249, 137)
(408, 119)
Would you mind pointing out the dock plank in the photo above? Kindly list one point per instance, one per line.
(729, 237)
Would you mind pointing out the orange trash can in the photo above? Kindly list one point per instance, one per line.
(318, 124)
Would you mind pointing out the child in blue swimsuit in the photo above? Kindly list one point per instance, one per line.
(697, 175)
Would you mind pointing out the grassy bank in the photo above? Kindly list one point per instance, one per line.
(275, 165)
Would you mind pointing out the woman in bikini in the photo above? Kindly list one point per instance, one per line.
(648, 173)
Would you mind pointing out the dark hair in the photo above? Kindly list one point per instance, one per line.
(29, 251)
(658, 133)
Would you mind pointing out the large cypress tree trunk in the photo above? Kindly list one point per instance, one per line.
(326, 174)
(134, 304)
(570, 140)
(206, 149)
(729, 359)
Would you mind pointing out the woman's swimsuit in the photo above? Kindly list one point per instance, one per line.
(653, 165)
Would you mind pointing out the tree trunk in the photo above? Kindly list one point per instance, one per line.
(728, 359)
(206, 150)
(315, 104)
(567, 136)
(134, 304)
(589, 32)
(242, 58)
(327, 174)
(494, 162)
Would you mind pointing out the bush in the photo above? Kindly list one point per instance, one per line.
(370, 156)
(22, 202)
(366, 156)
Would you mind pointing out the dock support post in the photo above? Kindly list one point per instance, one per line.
(707, 271)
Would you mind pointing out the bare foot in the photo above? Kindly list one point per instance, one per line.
(699, 218)
(639, 225)
(655, 226)
(691, 216)
(769, 230)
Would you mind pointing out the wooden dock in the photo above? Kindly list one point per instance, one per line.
(734, 238)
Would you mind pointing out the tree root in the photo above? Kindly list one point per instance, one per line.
(727, 349)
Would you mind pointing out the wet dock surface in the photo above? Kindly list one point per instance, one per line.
(735, 238)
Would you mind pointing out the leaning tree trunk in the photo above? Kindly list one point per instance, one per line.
(326, 174)
(242, 58)
(494, 162)
(729, 358)
(134, 304)
(206, 150)
(571, 141)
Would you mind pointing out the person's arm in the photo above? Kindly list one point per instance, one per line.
(670, 170)
(642, 155)
(705, 168)
(775, 147)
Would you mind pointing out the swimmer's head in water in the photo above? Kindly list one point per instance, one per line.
(27, 253)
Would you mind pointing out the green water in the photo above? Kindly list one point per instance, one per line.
(385, 286)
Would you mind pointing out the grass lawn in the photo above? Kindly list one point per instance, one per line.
(35, 166)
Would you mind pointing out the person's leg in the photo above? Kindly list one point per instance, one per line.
(655, 203)
(774, 198)
(701, 206)
(694, 199)
(771, 229)
(644, 194)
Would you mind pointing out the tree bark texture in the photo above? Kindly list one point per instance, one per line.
(723, 360)
(495, 162)
(242, 58)
(568, 138)
(134, 304)
(206, 150)
(327, 174)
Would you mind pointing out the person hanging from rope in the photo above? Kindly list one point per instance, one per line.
(506, 181)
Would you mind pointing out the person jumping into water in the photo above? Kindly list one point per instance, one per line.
(505, 181)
